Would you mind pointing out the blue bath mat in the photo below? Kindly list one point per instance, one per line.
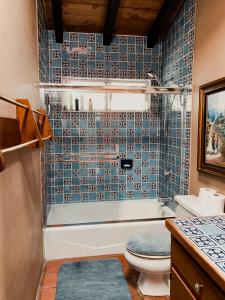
(92, 280)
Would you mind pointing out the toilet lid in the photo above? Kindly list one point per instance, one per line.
(151, 244)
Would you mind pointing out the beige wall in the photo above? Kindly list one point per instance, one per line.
(209, 65)
(20, 199)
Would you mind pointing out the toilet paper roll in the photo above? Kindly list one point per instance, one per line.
(205, 194)
(216, 203)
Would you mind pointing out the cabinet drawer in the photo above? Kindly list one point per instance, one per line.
(200, 284)
(178, 288)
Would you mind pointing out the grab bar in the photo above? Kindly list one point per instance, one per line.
(83, 161)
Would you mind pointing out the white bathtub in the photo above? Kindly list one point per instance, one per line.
(117, 222)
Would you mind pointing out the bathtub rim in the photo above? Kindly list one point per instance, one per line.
(152, 201)
(109, 222)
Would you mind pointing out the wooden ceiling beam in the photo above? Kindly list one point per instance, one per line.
(110, 21)
(57, 20)
(162, 23)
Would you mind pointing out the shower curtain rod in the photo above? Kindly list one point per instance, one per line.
(113, 89)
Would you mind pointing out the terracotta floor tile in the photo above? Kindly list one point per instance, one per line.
(49, 280)
(53, 267)
(47, 294)
(48, 290)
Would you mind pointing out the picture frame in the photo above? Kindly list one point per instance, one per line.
(211, 134)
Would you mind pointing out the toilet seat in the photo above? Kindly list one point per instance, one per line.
(148, 256)
(141, 264)
(150, 245)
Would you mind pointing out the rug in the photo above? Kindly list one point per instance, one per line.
(92, 280)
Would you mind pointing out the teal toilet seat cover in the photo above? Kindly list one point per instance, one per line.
(151, 244)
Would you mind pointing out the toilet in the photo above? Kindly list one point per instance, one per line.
(149, 253)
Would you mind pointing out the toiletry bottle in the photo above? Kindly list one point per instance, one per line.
(90, 107)
(71, 103)
(81, 103)
(76, 104)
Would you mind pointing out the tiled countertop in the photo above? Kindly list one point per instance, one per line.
(208, 234)
(205, 238)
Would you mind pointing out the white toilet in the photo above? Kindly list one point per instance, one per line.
(154, 264)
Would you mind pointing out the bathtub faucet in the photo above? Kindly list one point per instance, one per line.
(164, 201)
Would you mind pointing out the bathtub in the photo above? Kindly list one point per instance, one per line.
(100, 228)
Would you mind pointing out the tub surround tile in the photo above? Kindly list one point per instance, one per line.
(79, 133)
(126, 57)
(43, 39)
(175, 112)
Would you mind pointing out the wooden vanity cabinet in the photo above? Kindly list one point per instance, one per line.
(188, 280)
(178, 288)
(193, 277)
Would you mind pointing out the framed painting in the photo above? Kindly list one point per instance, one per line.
(211, 135)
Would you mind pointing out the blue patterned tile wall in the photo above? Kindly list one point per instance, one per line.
(133, 134)
(166, 141)
(175, 119)
(43, 77)
(84, 55)
(43, 43)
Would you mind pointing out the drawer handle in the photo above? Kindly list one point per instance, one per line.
(198, 287)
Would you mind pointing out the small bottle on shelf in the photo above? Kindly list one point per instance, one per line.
(81, 103)
(90, 106)
(76, 104)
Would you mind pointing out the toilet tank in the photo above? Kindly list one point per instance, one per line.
(181, 212)
(188, 206)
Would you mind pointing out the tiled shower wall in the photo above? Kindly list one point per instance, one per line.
(43, 40)
(43, 77)
(84, 55)
(175, 112)
(134, 135)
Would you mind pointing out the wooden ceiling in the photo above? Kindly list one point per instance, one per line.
(135, 17)
(124, 17)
